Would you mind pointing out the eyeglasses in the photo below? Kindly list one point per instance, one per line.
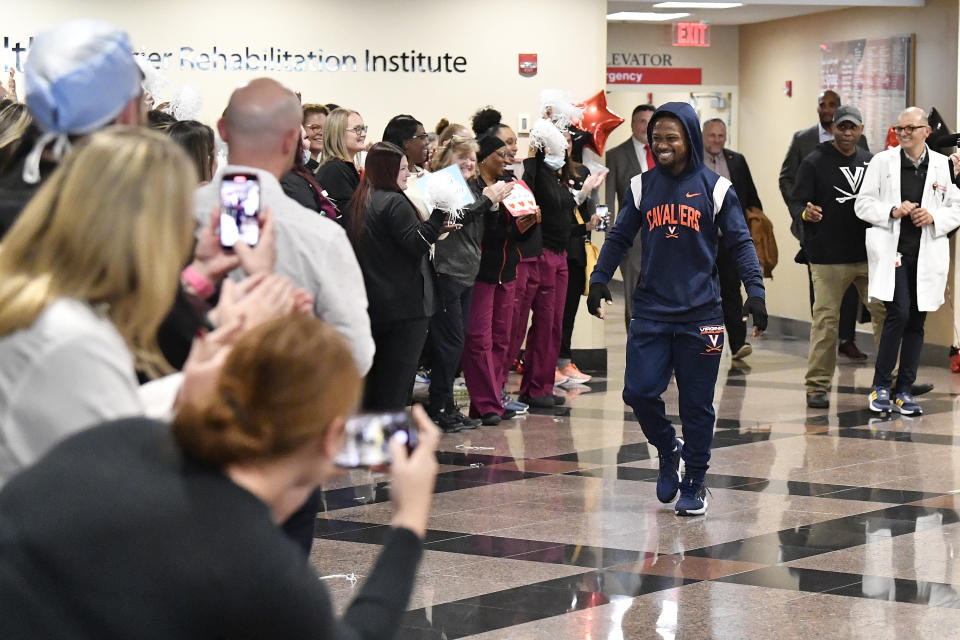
(359, 131)
(315, 127)
(910, 128)
(422, 136)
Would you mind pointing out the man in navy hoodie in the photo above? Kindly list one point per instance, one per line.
(681, 209)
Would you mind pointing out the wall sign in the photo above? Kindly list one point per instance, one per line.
(654, 75)
(691, 34)
(277, 59)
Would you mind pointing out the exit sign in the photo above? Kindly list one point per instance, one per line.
(691, 34)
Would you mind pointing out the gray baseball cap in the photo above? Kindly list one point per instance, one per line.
(847, 113)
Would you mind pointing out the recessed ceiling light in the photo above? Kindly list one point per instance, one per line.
(697, 5)
(644, 16)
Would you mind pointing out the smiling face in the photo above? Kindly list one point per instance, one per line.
(497, 161)
(714, 137)
(314, 126)
(416, 147)
(670, 147)
(912, 130)
(355, 142)
(510, 140)
(467, 162)
(404, 174)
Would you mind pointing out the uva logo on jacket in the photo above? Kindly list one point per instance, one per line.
(854, 176)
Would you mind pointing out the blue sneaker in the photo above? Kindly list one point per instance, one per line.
(668, 481)
(516, 406)
(693, 497)
(907, 405)
(880, 400)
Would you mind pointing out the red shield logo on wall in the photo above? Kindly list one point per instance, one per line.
(528, 64)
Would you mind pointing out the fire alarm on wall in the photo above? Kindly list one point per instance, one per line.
(788, 88)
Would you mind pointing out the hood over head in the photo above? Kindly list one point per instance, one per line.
(691, 125)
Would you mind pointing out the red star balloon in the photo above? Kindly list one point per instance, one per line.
(598, 121)
(892, 140)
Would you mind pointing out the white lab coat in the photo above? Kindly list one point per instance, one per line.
(879, 193)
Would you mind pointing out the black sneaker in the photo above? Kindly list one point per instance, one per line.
(508, 414)
(447, 421)
(490, 419)
(539, 402)
(465, 421)
(558, 400)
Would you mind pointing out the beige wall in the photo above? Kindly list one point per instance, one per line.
(773, 52)
(339, 27)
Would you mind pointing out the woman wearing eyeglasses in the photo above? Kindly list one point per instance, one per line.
(314, 119)
(344, 137)
(407, 133)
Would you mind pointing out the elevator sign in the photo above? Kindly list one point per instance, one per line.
(691, 34)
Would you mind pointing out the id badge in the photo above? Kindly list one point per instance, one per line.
(899, 259)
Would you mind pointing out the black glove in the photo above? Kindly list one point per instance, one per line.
(755, 307)
(598, 292)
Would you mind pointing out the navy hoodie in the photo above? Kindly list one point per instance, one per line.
(680, 226)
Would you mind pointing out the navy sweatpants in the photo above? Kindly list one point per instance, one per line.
(691, 350)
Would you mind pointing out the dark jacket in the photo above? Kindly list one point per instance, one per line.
(15, 193)
(680, 225)
(305, 192)
(132, 578)
(340, 179)
(499, 253)
(555, 201)
(831, 180)
(392, 252)
(458, 254)
(579, 236)
(801, 145)
(742, 180)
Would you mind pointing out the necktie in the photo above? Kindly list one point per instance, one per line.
(649, 157)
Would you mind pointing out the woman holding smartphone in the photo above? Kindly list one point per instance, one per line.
(188, 544)
(87, 274)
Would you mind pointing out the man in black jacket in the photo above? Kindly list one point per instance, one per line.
(833, 237)
(733, 166)
(802, 144)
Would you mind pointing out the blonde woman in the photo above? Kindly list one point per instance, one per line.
(87, 274)
(344, 136)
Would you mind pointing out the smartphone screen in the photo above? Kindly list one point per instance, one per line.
(239, 207)
(604, 213)
(368, 438)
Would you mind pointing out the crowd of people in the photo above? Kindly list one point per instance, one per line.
(207, 389)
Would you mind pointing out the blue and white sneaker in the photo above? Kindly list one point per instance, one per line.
(516, 406)
(880, 400)
(907, 405)
(693, 497)
(668, 480)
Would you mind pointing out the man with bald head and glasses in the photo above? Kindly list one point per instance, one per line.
(910, 199)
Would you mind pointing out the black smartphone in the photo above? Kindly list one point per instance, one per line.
(368, 438)
(239, 208)
(604, 214)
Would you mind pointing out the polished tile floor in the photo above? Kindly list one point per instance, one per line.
(822, 523)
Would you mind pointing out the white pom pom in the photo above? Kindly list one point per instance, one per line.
(186, 104)
(445, 194)
(545, 135)
(562, 110)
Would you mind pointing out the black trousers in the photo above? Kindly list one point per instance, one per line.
(390, 380)
(730, 299)
(849, 309)
(902, 332)
(448, 327)
(576, 281)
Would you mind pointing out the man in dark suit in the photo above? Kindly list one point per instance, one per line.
(802, 144)
(625, 161)
(733, 166)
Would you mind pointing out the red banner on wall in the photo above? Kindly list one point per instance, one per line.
(654, 75)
